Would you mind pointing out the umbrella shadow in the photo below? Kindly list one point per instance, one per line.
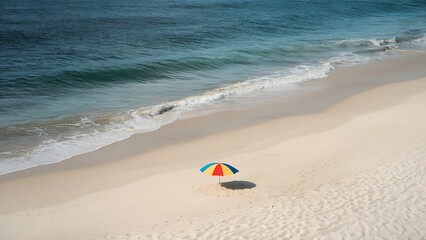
(238, 185)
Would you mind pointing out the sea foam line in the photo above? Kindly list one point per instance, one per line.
(152, 118)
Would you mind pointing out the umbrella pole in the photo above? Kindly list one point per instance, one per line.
(219, 180)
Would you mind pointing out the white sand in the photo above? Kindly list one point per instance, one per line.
(355, 171)
(366, 179)
(380, 193)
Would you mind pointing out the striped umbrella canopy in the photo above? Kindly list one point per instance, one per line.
(218, 169)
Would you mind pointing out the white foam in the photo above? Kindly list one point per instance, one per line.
(382, 42)
(151, 118)
(348, 59)
(366, 42)
(420, 41)
(298, 74)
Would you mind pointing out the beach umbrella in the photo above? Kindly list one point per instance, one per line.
(218, 169)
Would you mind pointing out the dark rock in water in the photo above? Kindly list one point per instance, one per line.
(165, 109)
(162, 110)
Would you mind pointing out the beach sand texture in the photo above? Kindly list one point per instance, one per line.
(355, 170)
(385, 200)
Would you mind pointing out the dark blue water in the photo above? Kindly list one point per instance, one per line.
(73, 72)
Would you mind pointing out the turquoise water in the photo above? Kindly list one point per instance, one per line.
(77, 75)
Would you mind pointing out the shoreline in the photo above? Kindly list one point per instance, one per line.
(287, 94)
(263, 110)
(93, 183)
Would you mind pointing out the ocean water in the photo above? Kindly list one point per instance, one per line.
(78, 75)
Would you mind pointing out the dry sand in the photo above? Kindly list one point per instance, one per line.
(355, 170)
